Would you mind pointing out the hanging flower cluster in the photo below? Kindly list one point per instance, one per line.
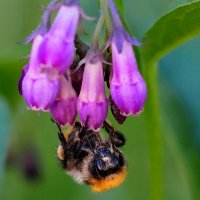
(66, 77)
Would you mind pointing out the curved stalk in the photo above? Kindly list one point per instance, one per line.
(105, 11)
(98, 29)
(154, 132)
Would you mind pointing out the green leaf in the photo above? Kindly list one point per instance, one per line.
(167, 33)
(170, 31)
(120, 6)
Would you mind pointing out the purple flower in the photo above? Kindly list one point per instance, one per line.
(39, 90)
(127, 87)
(63, 109)
(24, 71)
(57, 47)
(116, 112)
(92, 104)
(39, 87)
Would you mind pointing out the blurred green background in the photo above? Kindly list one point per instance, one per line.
(29, 168)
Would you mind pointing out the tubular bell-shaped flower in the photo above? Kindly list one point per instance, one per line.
(39, 88)
(24, 71)
(92, 103)
(57, 47)
(127, 87)
(63, 109)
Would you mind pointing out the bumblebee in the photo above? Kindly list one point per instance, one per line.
(91, 159)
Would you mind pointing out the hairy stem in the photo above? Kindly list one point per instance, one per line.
(154, 132)
(98, 29)
(105, 11)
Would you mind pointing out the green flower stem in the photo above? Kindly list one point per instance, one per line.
(98, 29)
(165, 35)
(154, 132)
(105, 11)
(103, 19)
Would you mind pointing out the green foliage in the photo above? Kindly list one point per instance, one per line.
(171, 30)
(120, 6)
(157, 166)
(167, 33)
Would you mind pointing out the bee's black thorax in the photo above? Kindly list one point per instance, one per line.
(80, 143)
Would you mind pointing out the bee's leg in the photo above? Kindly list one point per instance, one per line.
(62, 151)
(79, 150)
(108, 127)
(60, 133)
(56, 124)
(116, 137)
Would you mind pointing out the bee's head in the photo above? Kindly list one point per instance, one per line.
(108, 169)
(106, 162)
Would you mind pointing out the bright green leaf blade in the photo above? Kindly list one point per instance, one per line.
(120, 6)
(166, 34)
(171, 30)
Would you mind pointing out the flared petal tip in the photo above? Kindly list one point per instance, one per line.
(133, 113)
(93, 114)
(37, 108)
(64, 111)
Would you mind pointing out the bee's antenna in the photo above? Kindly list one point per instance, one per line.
(84, 127)
(59, 128)
(86, 123)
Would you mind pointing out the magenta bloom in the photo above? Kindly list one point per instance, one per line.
(57, 47)
(24, 71)
(127, 87)
(39, 88)
(39, 91)
(63, 109)
(92, 104)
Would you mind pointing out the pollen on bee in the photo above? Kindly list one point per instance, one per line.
(60, 152)
(68, 131)
(109, 182)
